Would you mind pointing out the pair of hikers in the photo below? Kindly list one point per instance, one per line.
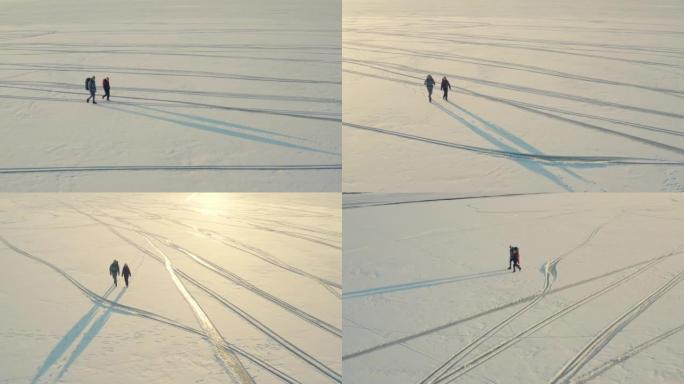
(91, 86)
(445, 87)
(514, 258)
(114, 271)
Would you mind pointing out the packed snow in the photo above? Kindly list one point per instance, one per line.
(547, 96)
(428, 297)
(206, 95)
(225, 288)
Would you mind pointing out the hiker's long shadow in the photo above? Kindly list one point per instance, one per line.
(223, 131)
(68, 339)
(89, 336)
(511, 137)
(532, 166)
(419, 284)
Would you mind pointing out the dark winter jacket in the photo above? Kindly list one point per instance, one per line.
(445, 85)
(105, 84)
(114, 268)
(126, 272)
(93, 88)
(429, 82)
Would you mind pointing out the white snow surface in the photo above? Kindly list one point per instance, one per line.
(547, 96)
(599, 298)
(201, 90)
(226, 288)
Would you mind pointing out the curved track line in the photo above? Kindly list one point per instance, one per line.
(549, 278)
(480, 359)
(133, 311)
(233, 365)
(572, 366)
(486, 312)
(231, 276)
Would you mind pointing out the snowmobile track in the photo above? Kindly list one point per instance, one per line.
(571, 368)
(125, 309)
(480, 359)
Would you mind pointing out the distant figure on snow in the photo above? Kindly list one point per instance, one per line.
(126, 272)
(92, 88)
(105, 86)
(114, 270)
(429, 83)
(514, 258)
(445, 87)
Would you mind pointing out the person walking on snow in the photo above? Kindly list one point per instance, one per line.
(511, 256)
(114, 270)
(429, 83)
(92, 87)
(516, 259)
(105, 86)
(126, 272)
(445, 87)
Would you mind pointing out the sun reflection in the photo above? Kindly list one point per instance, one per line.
(213, 204)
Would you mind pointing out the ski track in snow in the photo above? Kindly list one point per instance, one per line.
(230, 276)
(590, 375)
(454, 374)
(233, 365)
(545, 159)
(125, 309)
(572, 367)
(430, 331)
(318, 365)
(549, 278)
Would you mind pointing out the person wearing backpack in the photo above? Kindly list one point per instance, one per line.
(511, 256)
(114, 270)
(92, 87)
(105, 86)
(516, 259)
(429, 84)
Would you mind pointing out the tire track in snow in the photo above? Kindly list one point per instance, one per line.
(501, 307)
(630, 353)
(312, 361)
(572, 366)
(483, 357)
(254, 251)
(133, 311)
(246, 284)
(551, 159)
(233, 365)
(222, 272)
(549, 278)
(105, 168)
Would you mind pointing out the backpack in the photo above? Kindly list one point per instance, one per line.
(87, 83)
(515, 253)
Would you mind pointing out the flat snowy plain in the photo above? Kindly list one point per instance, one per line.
(226, 288)
(547, 96)
(207, 95)
(428, 297)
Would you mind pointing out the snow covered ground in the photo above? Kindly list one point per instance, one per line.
(207, 95)
(226, 288)
(599, 297)
(546, 96)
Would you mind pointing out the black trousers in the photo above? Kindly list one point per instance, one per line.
(106, 94)
(114, 277)
(126, 279)
(446, 94)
